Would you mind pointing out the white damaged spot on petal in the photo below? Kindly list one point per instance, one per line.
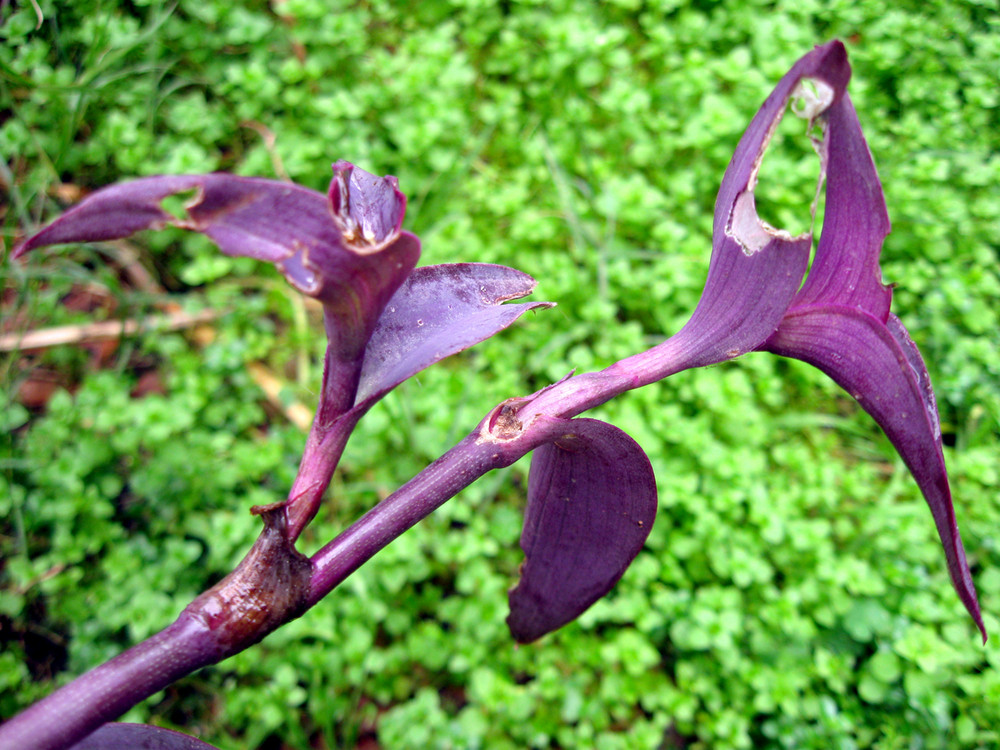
(809, 100)
(752, 234)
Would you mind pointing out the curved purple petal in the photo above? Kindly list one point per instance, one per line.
(245, 216)
(368, 213)
(755, 269)
(882, 369)
(591, 505)
(439, 311)
(122, 736)
(845, 270)
(113, 212)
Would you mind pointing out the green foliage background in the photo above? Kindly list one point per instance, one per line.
(792, 593)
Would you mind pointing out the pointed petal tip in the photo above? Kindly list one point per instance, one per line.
(20, 249)
(881, 367)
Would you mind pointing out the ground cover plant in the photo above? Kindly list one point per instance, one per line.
(665, 651)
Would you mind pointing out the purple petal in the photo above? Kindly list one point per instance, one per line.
(591, 505)
(246, 216)
(122, 736)
(368, 213)
(264, 219)
(846, 270)
(437, 312)
(755, 269)
(881, 367)
(113, 212)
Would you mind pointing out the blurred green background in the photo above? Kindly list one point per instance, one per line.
(792, 594)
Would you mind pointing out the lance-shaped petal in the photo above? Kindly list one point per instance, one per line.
(439, 311)
(345, 249)
(878, 364)
(125, 736)
(840, 322)
(591, 505)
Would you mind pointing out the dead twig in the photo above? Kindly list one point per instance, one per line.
(296, 413)
(44, 338)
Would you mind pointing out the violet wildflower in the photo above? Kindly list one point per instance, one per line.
(348, 250)
(754, 299)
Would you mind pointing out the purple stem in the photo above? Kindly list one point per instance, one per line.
(480, 452)
(331, 427)
(414, 501)
(106, 692)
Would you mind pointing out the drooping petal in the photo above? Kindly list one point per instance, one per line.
(882, 369)
(114, 212)
(288, 225)
(755, 269)
(591, 505)
(124, 736)
(439, 311)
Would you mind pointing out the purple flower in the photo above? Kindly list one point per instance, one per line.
(754, 300)
(839, 319)
(384, 321)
